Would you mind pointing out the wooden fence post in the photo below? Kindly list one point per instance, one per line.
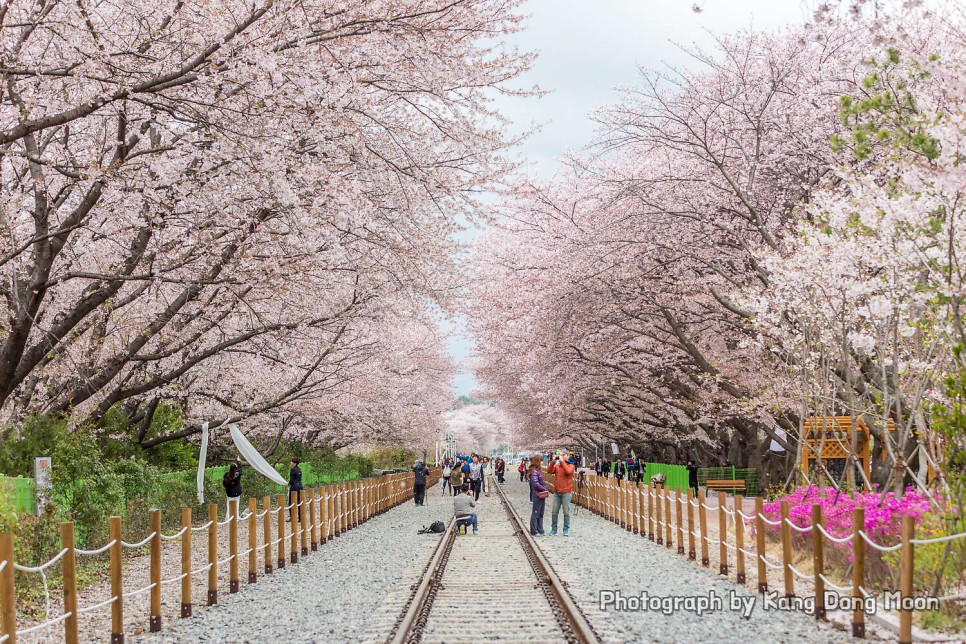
(313, 525)
(293, 500)
(252, 540)
(154, 621)
(703, 534)
(323, 514)
(660, 511)
(667, 516)
(692, 553)
(186, 562)
(8, 595)
(858, 572)
(337, 510)
(739, 507)
(907, 562)
(818, 561)
(212, 554)
(786, 535)
(650, 511)
(678, 514)
(233, 512)
(722, 534)
(641, 509)
(70, 582)
(303, 501)
(267, 532)
(760, 545)
(280, 499)
(117, 583)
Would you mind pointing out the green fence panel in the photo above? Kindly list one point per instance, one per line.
(677, 475)
(747, 474)
(21, 490)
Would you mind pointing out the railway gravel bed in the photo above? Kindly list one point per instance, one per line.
(599, 555)
(330, 596)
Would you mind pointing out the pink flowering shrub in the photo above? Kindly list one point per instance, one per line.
(883, 521)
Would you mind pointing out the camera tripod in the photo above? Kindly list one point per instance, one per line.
(580, 486)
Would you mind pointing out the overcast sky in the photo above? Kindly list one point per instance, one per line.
(587, 48)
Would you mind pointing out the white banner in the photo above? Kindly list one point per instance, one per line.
(254, 459)
(202, 457)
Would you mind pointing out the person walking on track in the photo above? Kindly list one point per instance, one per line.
(487, 475)
(563, 488)
(456, 479)
(476, 476)
(444, 479)
(522, 468)
(419, 482)
(539, 491)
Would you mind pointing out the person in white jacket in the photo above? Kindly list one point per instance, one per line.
(487, 475)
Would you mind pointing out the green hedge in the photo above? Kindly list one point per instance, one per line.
(20, 491)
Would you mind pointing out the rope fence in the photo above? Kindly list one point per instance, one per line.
(646, 509)
(304, 520)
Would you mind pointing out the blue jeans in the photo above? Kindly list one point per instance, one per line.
(470, 520)
(561, 499)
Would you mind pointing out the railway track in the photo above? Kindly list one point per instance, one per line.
(495, 586)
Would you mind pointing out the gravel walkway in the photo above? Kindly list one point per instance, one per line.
(331, 595)
(600, 556)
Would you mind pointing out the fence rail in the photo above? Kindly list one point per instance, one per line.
(312, 518)
(669, 516)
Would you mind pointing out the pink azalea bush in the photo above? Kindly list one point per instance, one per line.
(883, 512)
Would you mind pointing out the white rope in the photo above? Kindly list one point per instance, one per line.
(165, 582)
(3, 564)
(839, 589)
(4, 638)
(202, 569)
(96, 552)
(921, 542)
(42, 567)
(767, 520)
(139, 543)
(261, 514)
(172, 537)
(727, 511)
(821, 529)
(799, 573)
(807, 528)
(877, 546)
(226, 559)
(748, 552)
(38, 627)
(865, 592)
(91, 609)
(202, 527)
(948, 598)
(728, 545)
(709, 507)
(140, 591)
(746, 517)
(225, 522)
(768, 563)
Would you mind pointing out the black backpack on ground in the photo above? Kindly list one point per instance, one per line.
(436, 527)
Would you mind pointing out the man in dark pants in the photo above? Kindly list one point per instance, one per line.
(620, 470)
(693, 476)
(419, 482)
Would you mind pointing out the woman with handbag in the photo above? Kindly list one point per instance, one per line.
(538, 486)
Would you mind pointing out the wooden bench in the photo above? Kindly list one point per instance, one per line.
(725, 484)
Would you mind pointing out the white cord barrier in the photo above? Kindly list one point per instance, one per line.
(91, 609)
(728, 545)
(225, 522)
(38, 627)
(949, 598)
(202, 569)
(768, 563)
(42, 567)
(261, 514)
(4, 639)
(709, 507)
(922, 542)
(727, 511)
(872, 543)
(177, 535)
(767, 520)
(807, 528)
(867, 594)
(748, 552)
(174, 580)
(139, 591)
(3, 564)
(798, 573)
(98, 551)
(202, 527)
(846, 539)
(143, 542)
(746, 517)
(838, 589)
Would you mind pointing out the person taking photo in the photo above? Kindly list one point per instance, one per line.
(563, 471)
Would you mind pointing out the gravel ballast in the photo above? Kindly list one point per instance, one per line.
(600, 556)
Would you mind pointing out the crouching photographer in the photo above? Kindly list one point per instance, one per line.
(562, 466)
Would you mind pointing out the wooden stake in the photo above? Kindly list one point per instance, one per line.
(907, 562)
(293, 500)
(8, 595)
(252, 541)
(677, 514)
(323, 514)
(722, 534)
(703, 535)
(186, 562)
(303, 500)
(818, 561)
(70, 582)
(760, 545)
(786, 535)
(650, 511)
(858, 572)
(117, 583)
(739, 506)
(692, 554)
(154, 621)
(213, 554)
(280, 499)
(313, 525)
(667, 516)
(233, 546)
(660, 510)
(267, 532)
